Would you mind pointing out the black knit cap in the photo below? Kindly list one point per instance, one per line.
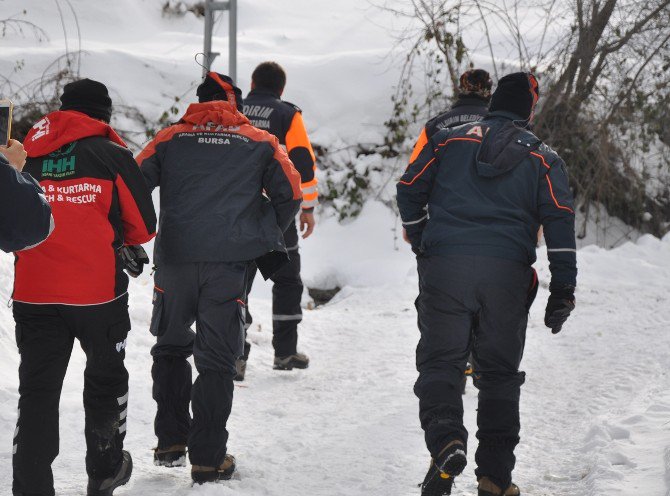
(517, 93)
(217, 86)
(89, 97)
(475, 82)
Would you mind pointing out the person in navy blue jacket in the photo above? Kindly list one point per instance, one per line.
(25, 215)
(471, 205)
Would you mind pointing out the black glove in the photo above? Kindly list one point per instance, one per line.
(561, 303)
(134, 258)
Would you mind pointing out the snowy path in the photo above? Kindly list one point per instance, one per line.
(595, 406)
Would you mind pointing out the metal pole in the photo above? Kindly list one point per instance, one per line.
(232, 41)
(209, 25)
(211, 6)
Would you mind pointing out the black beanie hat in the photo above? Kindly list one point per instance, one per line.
(517, 93)
(219, 87)
(476, 82)
(89, 97)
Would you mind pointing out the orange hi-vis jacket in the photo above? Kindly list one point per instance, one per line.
(267, 111)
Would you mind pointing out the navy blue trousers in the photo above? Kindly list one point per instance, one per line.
(477, 305)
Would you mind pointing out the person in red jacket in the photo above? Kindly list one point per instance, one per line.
(73, 286)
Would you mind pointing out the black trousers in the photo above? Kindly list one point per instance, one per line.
(45, 335)
(286, 298)
(211, 295)
(475, 305)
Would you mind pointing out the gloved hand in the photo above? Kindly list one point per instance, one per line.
(561, 303)
(134, 258)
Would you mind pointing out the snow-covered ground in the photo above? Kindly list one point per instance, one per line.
(595, 406)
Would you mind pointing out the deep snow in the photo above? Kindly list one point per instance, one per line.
(595, 406)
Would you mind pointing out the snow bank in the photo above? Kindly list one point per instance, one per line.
(335, 59)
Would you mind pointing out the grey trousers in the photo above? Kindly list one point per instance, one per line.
(211, 295)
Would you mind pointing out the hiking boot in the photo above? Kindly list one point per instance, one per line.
(105, 487)
(174, 456)
(440, 477)
(297, 361)
(241, 368)
(225, 471)
(488, 488)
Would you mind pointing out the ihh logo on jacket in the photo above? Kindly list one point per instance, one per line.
(63, 166)
(42, 128)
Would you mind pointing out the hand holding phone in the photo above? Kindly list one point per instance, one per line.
(15, 154)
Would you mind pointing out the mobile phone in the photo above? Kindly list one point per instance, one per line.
(6, 108)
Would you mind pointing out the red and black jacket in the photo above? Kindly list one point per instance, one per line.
(212, 168)
(267, 111)
(99, 202)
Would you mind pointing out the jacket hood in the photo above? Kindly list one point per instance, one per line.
(59, 128)
(504, 146)
(216, 112)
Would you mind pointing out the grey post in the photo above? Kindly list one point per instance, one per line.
(211, 6)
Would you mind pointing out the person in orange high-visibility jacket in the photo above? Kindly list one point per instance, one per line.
(266, 110)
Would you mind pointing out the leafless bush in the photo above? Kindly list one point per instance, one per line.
(605, 81)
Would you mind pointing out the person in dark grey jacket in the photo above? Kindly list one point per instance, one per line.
(471, 204)
(25, 215)
(228, 192)
(474, 95)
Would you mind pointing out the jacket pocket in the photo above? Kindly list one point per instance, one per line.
(155, 328)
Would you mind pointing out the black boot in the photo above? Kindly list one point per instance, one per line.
(440, 477)
(105, 487)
